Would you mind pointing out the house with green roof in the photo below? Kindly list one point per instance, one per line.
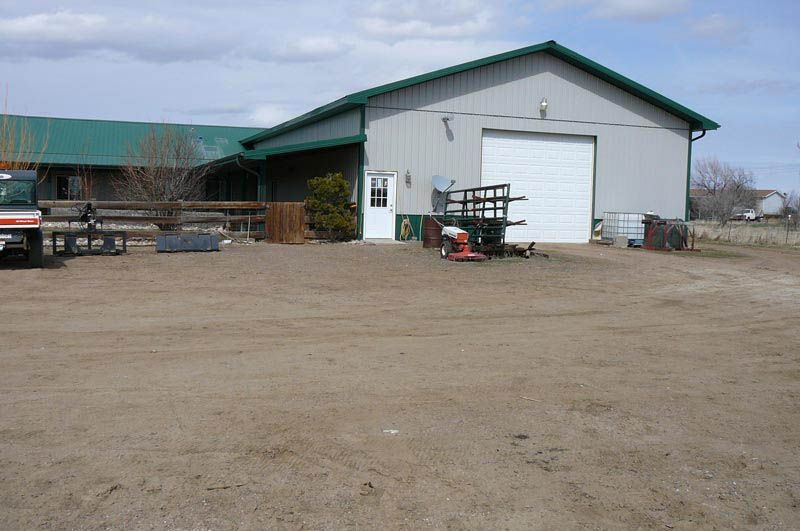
(71, 151)
(575, 137)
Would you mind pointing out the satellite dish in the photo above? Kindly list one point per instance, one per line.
(441, 185)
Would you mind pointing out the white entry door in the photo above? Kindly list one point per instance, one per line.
(379, 195)
(554, 172)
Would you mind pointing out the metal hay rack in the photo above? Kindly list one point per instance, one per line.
(483, 213)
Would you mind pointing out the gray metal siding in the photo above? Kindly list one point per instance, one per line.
(341, 125)
(292, 172)
(641, 150)
(515, 87)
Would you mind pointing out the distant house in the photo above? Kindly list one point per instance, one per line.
(769, 202)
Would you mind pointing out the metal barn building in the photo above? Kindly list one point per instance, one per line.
(573, 136)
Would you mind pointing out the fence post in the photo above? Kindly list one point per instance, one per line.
(266, 221)
(788, 219)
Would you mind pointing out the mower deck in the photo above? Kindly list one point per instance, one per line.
(467, 255)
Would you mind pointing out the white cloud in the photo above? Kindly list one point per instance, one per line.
(389, 30)
(383, 62)
(164, 33)
(437, 19)
(54, 27)
(720, 29)
(268, 114)
(638, 10)
(148, 38)
(436, 11)
(309, 49)
(63, 34)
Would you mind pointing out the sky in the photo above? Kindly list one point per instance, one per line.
(260, 63)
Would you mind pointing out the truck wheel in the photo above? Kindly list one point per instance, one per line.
(36, 249)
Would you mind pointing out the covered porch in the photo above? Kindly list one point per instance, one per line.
(281, 174)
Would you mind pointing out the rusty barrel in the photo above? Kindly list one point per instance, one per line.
(431, 233)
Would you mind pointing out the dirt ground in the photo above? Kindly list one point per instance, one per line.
(261, 387)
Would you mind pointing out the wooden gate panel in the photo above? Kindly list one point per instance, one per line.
(286, 222)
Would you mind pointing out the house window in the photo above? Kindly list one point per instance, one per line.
(68, 187)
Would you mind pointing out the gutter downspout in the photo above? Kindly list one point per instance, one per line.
(248, 170)
(251, 172)
(689, 171)
(360, 177)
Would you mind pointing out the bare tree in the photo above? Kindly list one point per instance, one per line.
(19, 148)
(725, 188)
(85, 175)
(791, 204)
(166, 165)
(84, 172)
(791, 207)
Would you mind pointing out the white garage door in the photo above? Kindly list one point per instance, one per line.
(554, 172)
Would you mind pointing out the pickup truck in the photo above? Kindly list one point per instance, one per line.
(746, 214)
(20, 218)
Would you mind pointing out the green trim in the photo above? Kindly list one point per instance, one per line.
(260, 154)
(360, 176)
(688, 178)
(594, 182)
(696, 121)
(416, 224)
(364, 95)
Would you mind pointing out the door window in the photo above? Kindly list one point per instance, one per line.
(379, 192)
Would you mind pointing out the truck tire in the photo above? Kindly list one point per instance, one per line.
(36, 249)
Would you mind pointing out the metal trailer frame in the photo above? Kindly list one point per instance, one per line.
(90, 235)
(483, 212)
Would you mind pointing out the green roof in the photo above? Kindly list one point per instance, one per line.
(107, 143)
(261, 154)
(696, 121)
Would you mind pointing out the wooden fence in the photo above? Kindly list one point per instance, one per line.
(290, 223)
(279, 222)
(286, 222)
(234, 215)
